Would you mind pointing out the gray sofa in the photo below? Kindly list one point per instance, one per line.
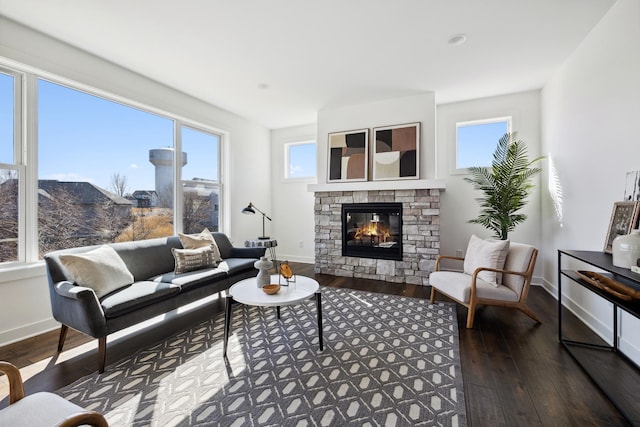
(156, 289)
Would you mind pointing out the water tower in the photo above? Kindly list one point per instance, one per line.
(162, 159)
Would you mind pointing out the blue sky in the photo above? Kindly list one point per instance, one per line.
(477, 142)
(86, 138)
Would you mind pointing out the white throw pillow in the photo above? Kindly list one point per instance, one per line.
(486, 253)
(193, 259)
(204, 238)
(100, 269)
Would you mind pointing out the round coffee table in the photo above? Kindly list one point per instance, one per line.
(247, 292)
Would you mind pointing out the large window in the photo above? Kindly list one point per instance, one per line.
(300, 160)
(11, 169)
(200, 180)
(105, 170)
(477, 140)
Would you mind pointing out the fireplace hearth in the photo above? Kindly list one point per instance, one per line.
(372, 230)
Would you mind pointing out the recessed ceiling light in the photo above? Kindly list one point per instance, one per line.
(263, 86)
(457, 39)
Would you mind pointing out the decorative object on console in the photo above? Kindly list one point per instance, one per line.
(251, 210)
(263, 265)
(623, 218)
(506, 186)
(626, 249)
(286, 273)
(632, 187)
(348, 155)
(396, 152)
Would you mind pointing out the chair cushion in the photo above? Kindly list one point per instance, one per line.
(100, 269)
(202, 239)
(458, 286)
(193, 259)
(38, 409)
(140, 294)
(518, 259)
(486, 253)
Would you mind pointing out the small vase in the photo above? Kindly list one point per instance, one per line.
(263, 265)
(626, 249)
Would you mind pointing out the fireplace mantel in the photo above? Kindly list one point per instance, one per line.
(408, 184)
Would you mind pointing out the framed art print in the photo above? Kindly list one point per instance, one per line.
(395, 152)
(623, 218)
(348, 156)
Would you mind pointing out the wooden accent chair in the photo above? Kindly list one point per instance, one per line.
(470, 290)
(43, 408)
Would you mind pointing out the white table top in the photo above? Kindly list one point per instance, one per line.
(247, 292)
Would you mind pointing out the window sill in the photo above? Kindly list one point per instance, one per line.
(22, 271)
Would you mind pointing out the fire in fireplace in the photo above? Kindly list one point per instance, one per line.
(372, 230)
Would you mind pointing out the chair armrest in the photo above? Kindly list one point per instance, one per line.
(237, 252)
(16, 389)
(91, 418)
(497, 270)
(441, 257)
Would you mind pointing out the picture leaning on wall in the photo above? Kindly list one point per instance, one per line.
(396, 152)
(348, 156)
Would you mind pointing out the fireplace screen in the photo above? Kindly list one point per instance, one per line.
(372, 230)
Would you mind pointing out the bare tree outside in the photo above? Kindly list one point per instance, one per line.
(119, 184)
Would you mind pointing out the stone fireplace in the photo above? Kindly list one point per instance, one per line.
(419, 232)
(372, 230)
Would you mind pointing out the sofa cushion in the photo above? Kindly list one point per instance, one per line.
(193, 279)
(202, 239)
(139, 294)
(193, 259)
(236, 265)
(486, 253)
(100, 269)
(148, 258)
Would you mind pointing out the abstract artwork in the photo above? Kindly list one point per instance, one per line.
(395, 152)
(348, 155)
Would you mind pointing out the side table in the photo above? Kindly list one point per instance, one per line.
(270, 244)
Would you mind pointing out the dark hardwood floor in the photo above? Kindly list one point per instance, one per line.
(515, 371)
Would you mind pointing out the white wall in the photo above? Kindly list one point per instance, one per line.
(292, 204)
(590, 114)
(409, 109)
(457, 204)
(24, 299)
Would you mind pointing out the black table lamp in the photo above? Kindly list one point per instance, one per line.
(251, 210)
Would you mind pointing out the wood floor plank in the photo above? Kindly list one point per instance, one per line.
(515, 371)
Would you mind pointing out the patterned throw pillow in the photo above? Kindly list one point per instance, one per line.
(202, 239)
(193, 259)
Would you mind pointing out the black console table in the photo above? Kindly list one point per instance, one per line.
(614, 373)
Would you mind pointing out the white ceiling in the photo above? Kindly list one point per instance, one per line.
(315, 54)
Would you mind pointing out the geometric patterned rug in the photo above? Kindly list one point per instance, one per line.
(387, 361)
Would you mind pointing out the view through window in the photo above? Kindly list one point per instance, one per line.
(106, 170)
(300, 160)
(477, 140)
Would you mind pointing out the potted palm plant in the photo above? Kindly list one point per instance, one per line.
(506, 186)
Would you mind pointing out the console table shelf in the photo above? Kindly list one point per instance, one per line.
(616, 375)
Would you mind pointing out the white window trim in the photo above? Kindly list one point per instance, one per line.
(286, 168)
(455, 170)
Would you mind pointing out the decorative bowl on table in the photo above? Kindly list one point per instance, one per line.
(271, 289)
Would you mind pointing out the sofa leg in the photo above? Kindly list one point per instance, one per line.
(63, 336)
(102, 353)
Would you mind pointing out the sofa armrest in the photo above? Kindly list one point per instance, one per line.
(79, 308)
(69, 290)
(237, 252)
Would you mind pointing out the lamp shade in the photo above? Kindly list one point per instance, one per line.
(249, 210)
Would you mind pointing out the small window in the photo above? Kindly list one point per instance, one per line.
(300, 160)
(477, 140)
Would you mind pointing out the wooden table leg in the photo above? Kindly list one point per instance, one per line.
(227, 322)
(319, 310)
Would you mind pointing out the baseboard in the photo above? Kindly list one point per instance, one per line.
(296, 258)
(28, 331)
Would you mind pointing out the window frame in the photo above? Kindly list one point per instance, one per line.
(286, 159)
(26, 153)
(465, 170)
